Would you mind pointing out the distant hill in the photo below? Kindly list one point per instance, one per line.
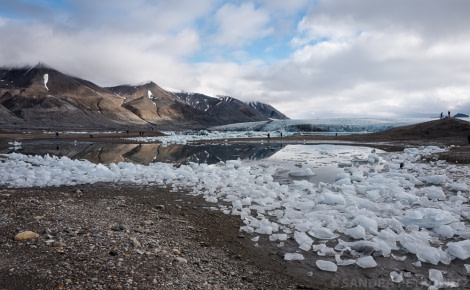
(44, 98)
(438, 130)
(229, 110)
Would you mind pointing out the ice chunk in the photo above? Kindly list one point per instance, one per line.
(455, 186)
(373, 195)
(332, 198)
(326, 266)
(278, 237)
(343, 262)
(233, 163)
(366, 262)
(342, 175)
(322, 233)
(417, 243)
(434, 193)
(293, 257)
(435, 179)
(344, 181)
(417, 264)
(304, 241)
(396, 277)
(444, 231)
(467, 268)
(459, 250)
(436, 276)
(323, 250)
(357, 232)
(369, 224)
(399, 258)
(428, 217)
(302, 173)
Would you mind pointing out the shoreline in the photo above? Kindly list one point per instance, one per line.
(146, 237)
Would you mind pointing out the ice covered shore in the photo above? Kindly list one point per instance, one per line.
(421, 208)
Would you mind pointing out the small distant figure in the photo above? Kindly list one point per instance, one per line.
(448, 114)
(442, 115)
(401, 165)
(281, 134)
(91, 136)
(269, 136)
(127, 131)
(56, 135)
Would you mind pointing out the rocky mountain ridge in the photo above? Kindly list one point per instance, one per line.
(41, 97)
(230, 110)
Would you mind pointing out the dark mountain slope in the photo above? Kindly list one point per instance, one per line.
(227, 110)
(43, 97)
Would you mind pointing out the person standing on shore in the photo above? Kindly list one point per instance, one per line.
(448, 114)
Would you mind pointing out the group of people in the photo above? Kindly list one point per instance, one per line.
(448, 114)
(269, 135)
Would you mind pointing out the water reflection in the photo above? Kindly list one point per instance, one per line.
(147, 153)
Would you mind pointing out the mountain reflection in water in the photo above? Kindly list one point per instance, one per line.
(178, 154)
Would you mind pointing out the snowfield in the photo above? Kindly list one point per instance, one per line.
(378, 207)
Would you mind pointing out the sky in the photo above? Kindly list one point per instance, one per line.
(307, 58)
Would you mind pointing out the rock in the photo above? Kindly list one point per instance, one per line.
(26, 235)
(58, 244)
(181, 260)
(49, 242)
(136, 242)
(119, 228)
(176, 252)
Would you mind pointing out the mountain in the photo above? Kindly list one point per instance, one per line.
(154, 105)
(41, 97)
(267, 110)
(229, 110)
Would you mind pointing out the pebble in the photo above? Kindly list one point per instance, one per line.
(26, 235)
(136, 242)
(176, 251)
(181, 260)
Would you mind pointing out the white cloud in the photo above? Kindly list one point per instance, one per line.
(239, 25)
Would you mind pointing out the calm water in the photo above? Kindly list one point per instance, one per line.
(323, 159)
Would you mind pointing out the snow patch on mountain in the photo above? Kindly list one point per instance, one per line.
(46, 79)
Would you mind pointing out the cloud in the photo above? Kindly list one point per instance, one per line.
(239, 25)
(307, 58)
